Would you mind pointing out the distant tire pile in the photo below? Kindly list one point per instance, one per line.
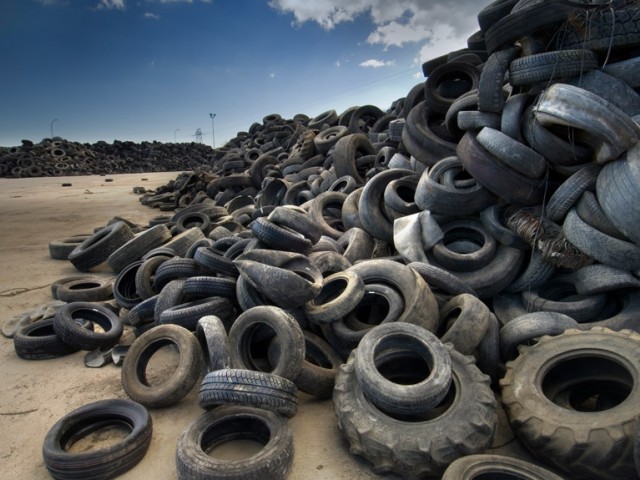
(56, 157)
(482, 233)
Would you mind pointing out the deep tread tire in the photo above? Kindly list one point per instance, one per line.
(38, 341)
(420, 447)
(75, 335)
(97, 248)
(541, 382)
(496, 466)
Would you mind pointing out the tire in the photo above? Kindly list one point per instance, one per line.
(205, 286)
(357, 245)
(328, 262)
(614, 132)
(229, 423)
(525, 328)
(363, 118)
(298, 220)
(212, 336)
(97, 248)
(589, 210)
(77, 336)
(451, 73)
(490, 88)
(494, 12)
(463, 424)
(170, 296)
(604, 248)
(327, 138)
(135, 248)
(213, 261)
(495, 466)
(281, 324)
(108, 462)
(249, 388)
(493, 220)
(618, 193)
(466, 245)
(60, 249)
(145, 276)
(38, 341)
(347, 150)
(420, 306)
(143, 312)
(547, 66)
(570, 191)
(84, 289)
(124, 286)
(441, 279)
(176, 268)
(280, 237)
(181, 242)
(464, 321)
(544, 396)
(187, 314)
(600, 278)
(179, 384)
(513, 153)
(419, 138)
(340, 294)
(432, 369)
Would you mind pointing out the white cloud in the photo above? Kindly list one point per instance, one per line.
(338, 64)
(272, 75)
(373, 63)
(110, 5)
(437, 24)
(53, 2)
(152, 16)
(183, 1)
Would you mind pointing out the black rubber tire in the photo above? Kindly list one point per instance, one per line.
(97, 248)
(570, 191)
(495, 466)
(187, 314)
(600, 246)
(347, 150)
(298, 220)
(380, 304)
(280, 237)
(176, 268)
(600, 278)
(513, 153)
(357, 245)
(465, 246)
(317, 376)
(493, 220)
(77, 336)
(490, 88)
(370, 209)
(464, 321)
(143, 313)
(213, 261)
(327, 138)
(453, 72)
(145, 276)
(249, 388)
(212, 335)
(544, 394)
(396, 444)
(179, 384)
(108, 462)
(170, 296)
(441, 279)
(61, 248)
(181, 242)
(281, 324)
(38, 341)
(525, 328)
(125, 291)
(534, 275)
(340, 294)
(363, 118)
(326, 211)
(135, 248)
(434, 371)
(84, 289)
(328, 262)
(420, 306)
(618, 193)
(230, 423)
(205, 286)
(589, 210)
(493, 12)
(420, 139)
(547, 66)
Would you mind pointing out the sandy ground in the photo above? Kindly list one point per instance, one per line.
(35, 394)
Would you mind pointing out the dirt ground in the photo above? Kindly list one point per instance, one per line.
(35, 394)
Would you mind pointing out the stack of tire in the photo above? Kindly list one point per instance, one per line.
(497, 216)
(55, 157)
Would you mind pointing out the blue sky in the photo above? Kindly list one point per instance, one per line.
(154, 69)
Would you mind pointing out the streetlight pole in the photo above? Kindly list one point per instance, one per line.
(174, 134)
(213, 132)
(52, 121)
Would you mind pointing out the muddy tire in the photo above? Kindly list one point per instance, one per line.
(580, 420)
(228, 423)
(107, 462)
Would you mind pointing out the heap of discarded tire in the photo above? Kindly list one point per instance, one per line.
(481, 237)
(55, 157)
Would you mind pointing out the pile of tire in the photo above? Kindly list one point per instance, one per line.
(56, 157)
(481, 234)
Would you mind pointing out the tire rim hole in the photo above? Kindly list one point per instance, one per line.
(330, 291)
(463, 240)
(372, 310)
(259, 339)
(84, 286)
(96, 436)
(406, 193)
(403, 359)
(161, 365)
(588, 384)
(235, 439)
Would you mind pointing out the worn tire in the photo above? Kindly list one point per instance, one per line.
(546, 399)
(418, 446)
(496, 466)
(108, 462)
(229, 423)
(179, 384)
(75, 335)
